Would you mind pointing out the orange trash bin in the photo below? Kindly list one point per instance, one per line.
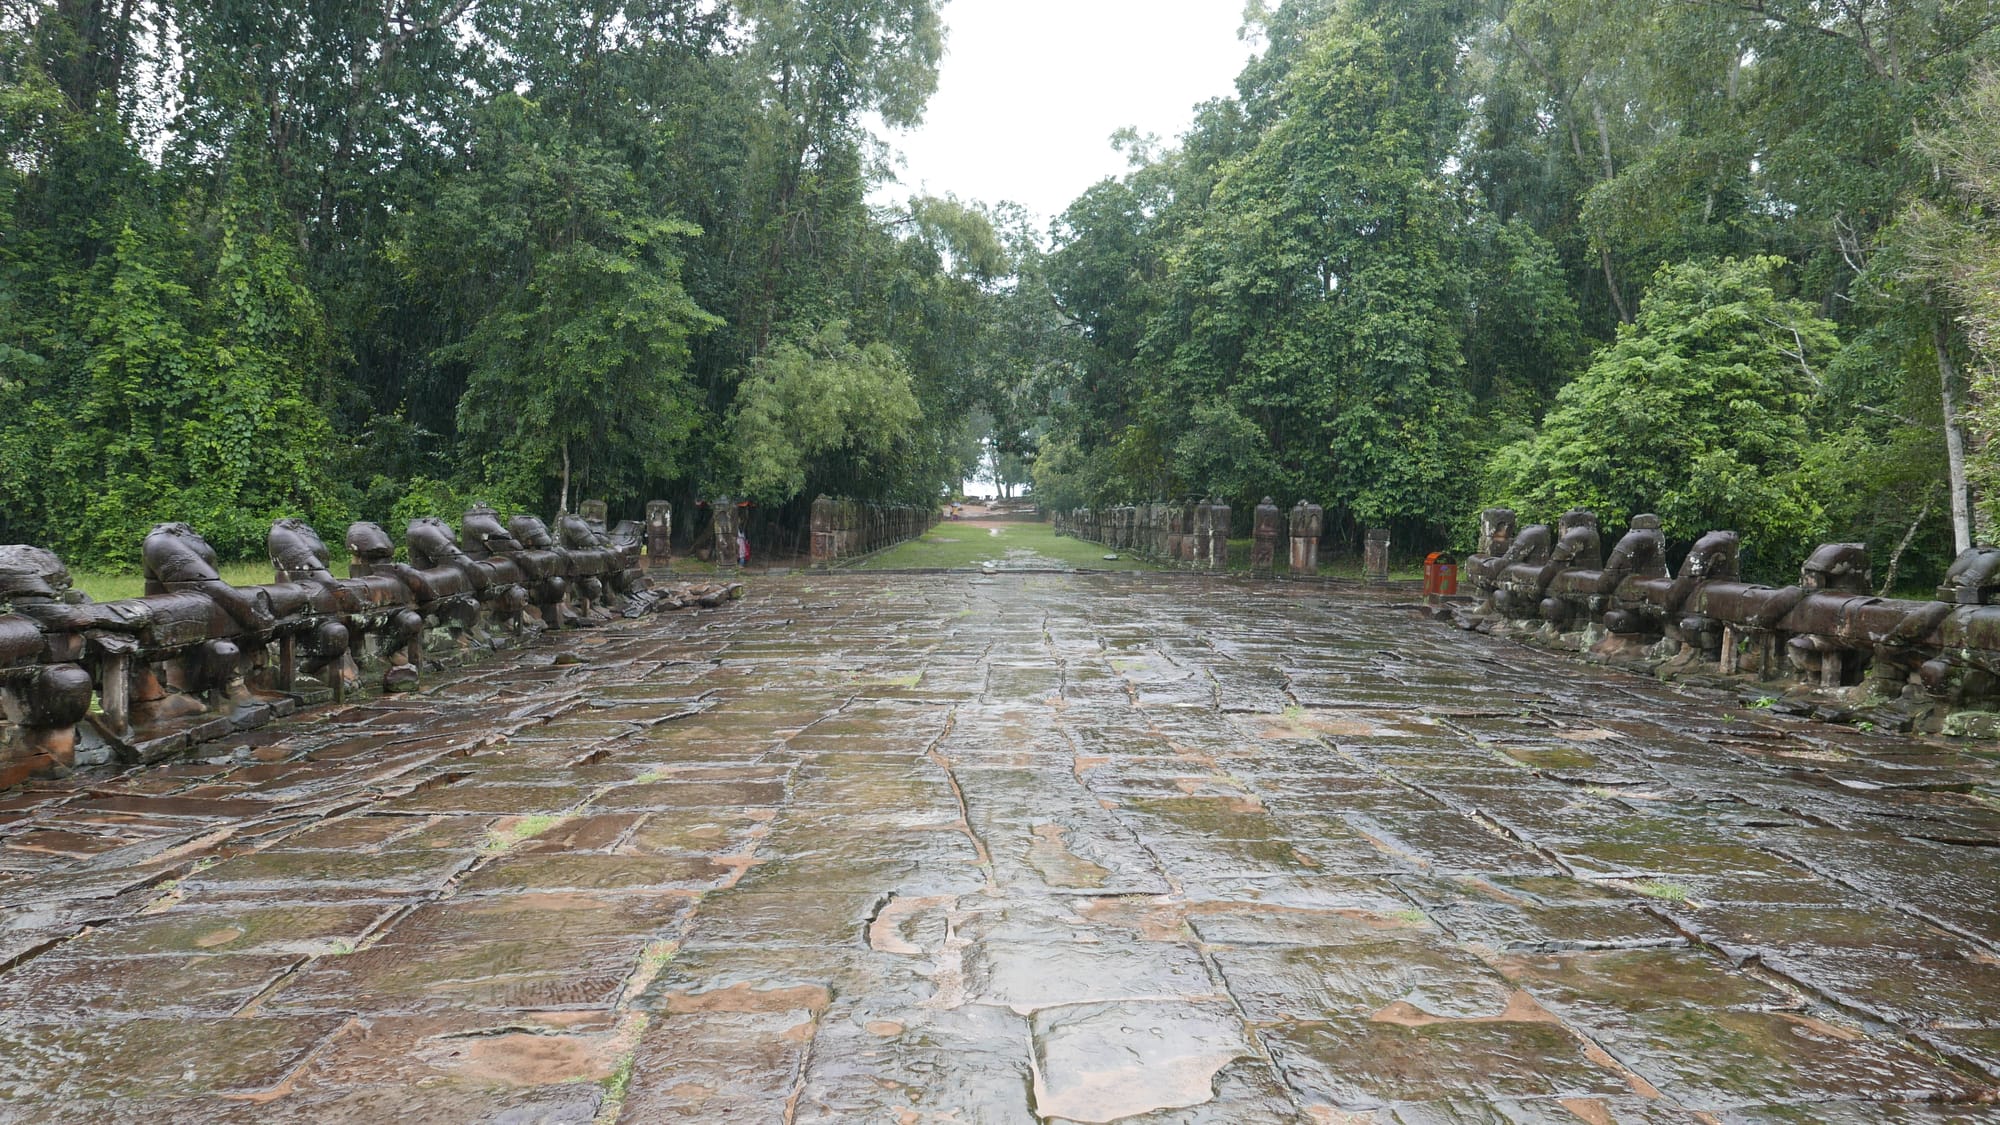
(1440, 574)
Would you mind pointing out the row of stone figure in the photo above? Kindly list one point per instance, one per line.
(844, 529)
(196, 657)
(1555, 585)
(1196, 532)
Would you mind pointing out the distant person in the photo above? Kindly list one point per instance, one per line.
(742, 548)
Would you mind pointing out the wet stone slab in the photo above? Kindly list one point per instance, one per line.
(1063, 848)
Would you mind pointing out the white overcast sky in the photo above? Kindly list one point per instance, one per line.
(1031, 90)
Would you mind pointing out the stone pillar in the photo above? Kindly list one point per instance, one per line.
(1375, 556)
(725, 533)
(822, 531)
(1307, 524)
(659, 533)
(1161, 515)
(1218, 536)
(1204, 520)
(1264, 538)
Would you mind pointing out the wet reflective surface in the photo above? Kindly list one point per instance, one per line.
(1028, 846)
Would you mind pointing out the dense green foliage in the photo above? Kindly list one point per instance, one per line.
(281, 258)
(1696, 412)
(828, 397)
(1756, 235)
(1728, 260)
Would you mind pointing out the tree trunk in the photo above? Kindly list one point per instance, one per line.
(1610, 173)
(1896, 557)
(1609, 170)
(564, 509)
(1954, 441)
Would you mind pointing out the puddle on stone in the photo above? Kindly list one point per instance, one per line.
(1103, 1062)
(746, 998)
(1049, 854)
(893, 925)
(1419, 976)
(1551, 757)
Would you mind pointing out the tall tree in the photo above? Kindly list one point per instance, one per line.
(1697, 413)
(575, 361)
(1951, 250)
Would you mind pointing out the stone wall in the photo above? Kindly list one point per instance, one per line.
(1195, 533)
(195, 658)
(846, 529)
(1826, 644)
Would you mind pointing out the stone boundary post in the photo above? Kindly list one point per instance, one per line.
(659, 534)
(1217, 557)
(1308, 523)
(822, 531)
(723, 512)
(1375, 556)
(1264, 538)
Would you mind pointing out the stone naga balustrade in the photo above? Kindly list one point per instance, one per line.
(845, 529)
(195, 658)
(1910, 662)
